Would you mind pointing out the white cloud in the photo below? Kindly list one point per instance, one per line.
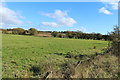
(4, 26)
(56, 14)
(67, 21)
(52, 24)
(61, 17)
(112, 3)
(109, 4)
(28, 22)
(22, 17)
(9, 16)
(114, 6)
(105, 11)
(83, 29)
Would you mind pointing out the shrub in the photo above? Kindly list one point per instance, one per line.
(33, 31)
(115, 36)
(18, 31)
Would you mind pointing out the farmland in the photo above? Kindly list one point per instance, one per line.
(20, 53)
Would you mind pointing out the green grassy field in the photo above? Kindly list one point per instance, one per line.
(20, 52)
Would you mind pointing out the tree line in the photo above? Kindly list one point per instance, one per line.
(20, 31)
(62, 34)
(80, 35)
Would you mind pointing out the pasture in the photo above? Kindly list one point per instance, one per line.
(20, 53)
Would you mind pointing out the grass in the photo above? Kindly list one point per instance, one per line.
(20, 52)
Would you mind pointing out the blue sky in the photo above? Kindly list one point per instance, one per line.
(60, 16)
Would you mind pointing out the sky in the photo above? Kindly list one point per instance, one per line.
(98, 17)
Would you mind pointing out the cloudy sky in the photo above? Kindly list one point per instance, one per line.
(90, 17)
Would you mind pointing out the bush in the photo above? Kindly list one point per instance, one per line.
(55, 34)
(18, 31)
(115, 36)
(33, 31)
